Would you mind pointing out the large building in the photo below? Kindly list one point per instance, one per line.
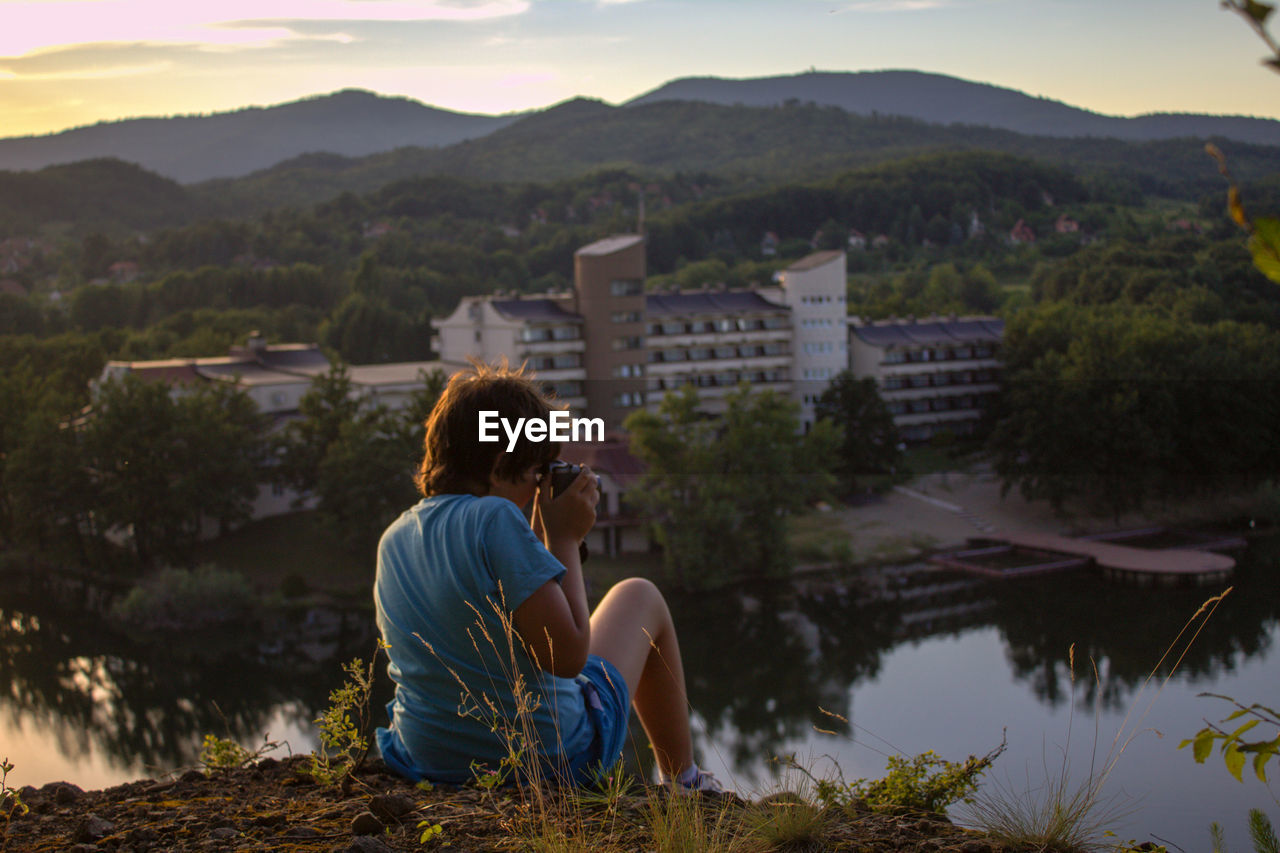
(276, 376)
(933, 374)
(609, 348)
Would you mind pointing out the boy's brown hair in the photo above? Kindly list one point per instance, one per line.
(455, 461)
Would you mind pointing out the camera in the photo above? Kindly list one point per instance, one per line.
(560, 475)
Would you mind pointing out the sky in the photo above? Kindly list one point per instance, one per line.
(68, 63)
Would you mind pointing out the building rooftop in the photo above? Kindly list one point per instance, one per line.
(535, 309)
(609, 245)
(716, 302)
(913, 333)
(245, 373)
(402, 373)
(291, 358)
(812, 262)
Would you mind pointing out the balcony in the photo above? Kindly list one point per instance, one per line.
(549, 347)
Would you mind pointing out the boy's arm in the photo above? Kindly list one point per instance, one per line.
(554, 621)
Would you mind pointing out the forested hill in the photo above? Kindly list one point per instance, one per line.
(941, 99)
(752, 145)
(196, 148)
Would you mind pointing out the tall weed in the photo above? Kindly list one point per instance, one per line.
(1068, 815)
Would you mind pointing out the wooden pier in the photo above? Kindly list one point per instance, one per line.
(1047, 552)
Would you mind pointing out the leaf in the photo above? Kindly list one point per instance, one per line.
(1260, 766)
(1265, 246)
(1234, 759)
(1258, 11)
(1236, 734)
(1236, 207)
(1235, 715)
(1203, 745)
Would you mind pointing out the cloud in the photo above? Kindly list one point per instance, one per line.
(91, 60)
(229, 23)
(895, 5)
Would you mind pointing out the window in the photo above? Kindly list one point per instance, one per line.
(566, 333)
(626, 287)
(628, 371)
(894, 356)
(726, 325)
(630, 398)
(631, 342)
(625, 317)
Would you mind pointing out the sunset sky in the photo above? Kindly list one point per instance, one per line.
(65, 63)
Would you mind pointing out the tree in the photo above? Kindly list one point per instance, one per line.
(365, 478)
(162, 462)
(720, 488)
(323, 411)
(357, 460)
(868, 438)
(1118, 407)
(226, 437)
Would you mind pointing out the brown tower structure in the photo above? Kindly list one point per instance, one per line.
(608, 281)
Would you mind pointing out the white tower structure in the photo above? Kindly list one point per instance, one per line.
(814, 289)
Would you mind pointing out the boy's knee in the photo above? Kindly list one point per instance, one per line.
(638, 590)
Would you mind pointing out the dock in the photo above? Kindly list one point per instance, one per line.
(1048, 552)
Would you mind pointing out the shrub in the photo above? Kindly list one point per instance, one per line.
(175, 599)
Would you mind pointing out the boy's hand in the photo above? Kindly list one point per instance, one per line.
(570, 515)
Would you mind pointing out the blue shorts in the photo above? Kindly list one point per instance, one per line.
(608, 704)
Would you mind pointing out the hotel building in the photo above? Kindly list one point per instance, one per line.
(934, 374)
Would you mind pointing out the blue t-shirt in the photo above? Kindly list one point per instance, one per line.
(451, 571)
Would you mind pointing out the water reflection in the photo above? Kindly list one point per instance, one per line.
(147, 704)
(766, 664)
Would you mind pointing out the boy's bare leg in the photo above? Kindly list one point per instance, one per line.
(632, 629)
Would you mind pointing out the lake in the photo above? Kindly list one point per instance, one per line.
(905, 658)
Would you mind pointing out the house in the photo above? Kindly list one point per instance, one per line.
(769, 244)
(276, 376)
(1066, 225)
(123, 272)
(377, 230)
(857, 240)
(1021, 233)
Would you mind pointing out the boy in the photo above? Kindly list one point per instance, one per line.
(476, 602)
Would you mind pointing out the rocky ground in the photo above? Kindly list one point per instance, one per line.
(275, 806)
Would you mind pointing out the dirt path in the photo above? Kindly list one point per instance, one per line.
(944, 510)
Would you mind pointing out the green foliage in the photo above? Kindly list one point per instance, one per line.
(432, 833)
(164, 463)
(1119, 407)
(720, 489)
(10, 797)
(868, 438)
(1262, 833)
(344, 725)
(217, 753)
(1233, 745)
(181, 600)
(926, 783)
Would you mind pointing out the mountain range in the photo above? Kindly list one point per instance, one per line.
(358, 124)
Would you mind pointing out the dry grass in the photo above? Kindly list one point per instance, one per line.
(1066, 815)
